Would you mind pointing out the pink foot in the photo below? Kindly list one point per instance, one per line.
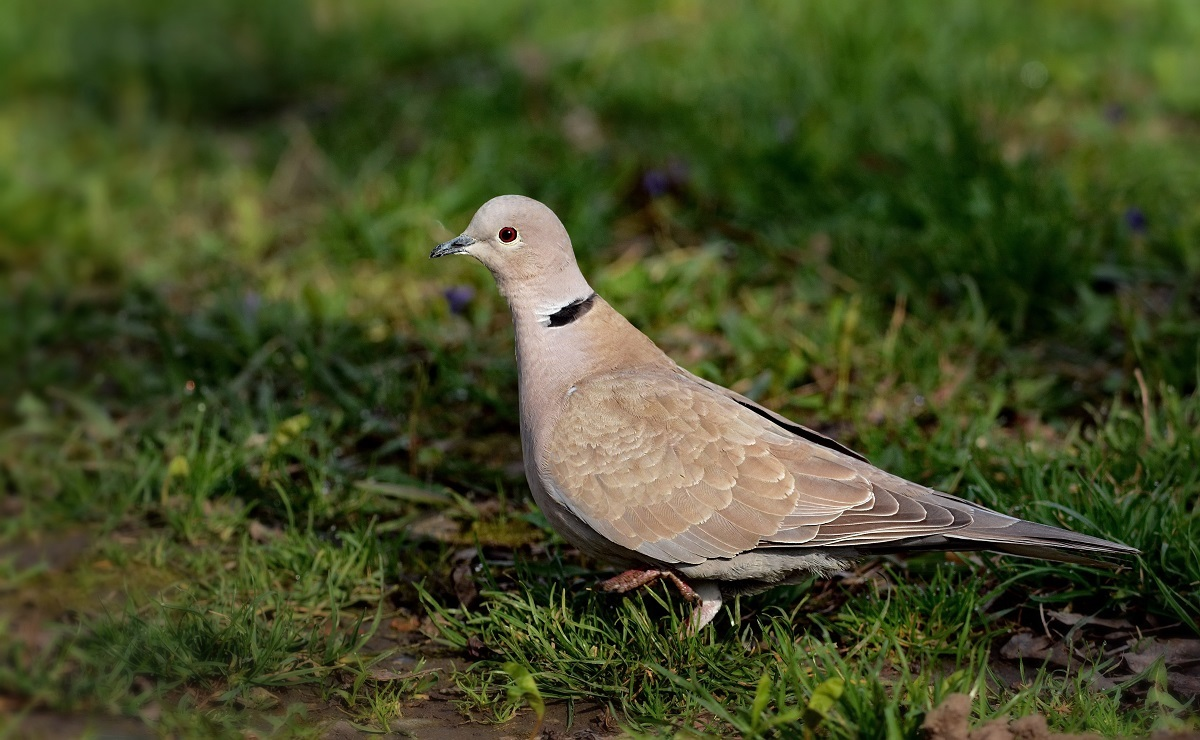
(706, 597)
(630, 580)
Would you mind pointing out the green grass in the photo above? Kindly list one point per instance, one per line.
(243, 436)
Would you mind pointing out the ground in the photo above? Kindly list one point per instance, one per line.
(259, 460)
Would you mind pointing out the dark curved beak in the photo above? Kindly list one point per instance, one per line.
(457, 245)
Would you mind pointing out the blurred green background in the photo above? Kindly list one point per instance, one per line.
(1034, 165)
(948, 232)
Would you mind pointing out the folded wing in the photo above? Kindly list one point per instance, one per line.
(668, 467)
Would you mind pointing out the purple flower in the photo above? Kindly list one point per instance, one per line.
(1114, 113)
(656, 182)
(1135, 220)
(458, 297)
(672, 178)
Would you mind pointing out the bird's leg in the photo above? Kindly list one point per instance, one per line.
(685, 590)
(630, 580)
(705, 597)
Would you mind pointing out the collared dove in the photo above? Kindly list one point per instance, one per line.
(641, 464)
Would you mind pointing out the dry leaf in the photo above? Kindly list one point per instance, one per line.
(411, 623)
(260, 532)
(1072, 619)
(1025, 646)
(1174, 652)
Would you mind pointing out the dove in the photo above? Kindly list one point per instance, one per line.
(641, 464)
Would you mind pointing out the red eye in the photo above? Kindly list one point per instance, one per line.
(508, 235)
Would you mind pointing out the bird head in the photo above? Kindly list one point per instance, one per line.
(527, 250)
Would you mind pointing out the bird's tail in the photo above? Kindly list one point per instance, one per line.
(1033, 540)
(991, 530)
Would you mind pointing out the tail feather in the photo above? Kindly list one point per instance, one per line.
(997, 532)
(1041, 552)
(991, 530)
(1031, 534)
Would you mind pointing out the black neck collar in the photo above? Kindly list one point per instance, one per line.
(572, 311)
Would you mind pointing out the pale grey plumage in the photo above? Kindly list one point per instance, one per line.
(640, 463)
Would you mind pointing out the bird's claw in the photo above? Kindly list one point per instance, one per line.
(706, 596)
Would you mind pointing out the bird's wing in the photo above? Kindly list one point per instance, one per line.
(798, 429)
(668, 468)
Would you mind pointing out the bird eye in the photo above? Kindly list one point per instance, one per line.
(508, 235)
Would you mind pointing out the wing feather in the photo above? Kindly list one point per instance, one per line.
(669, 468)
